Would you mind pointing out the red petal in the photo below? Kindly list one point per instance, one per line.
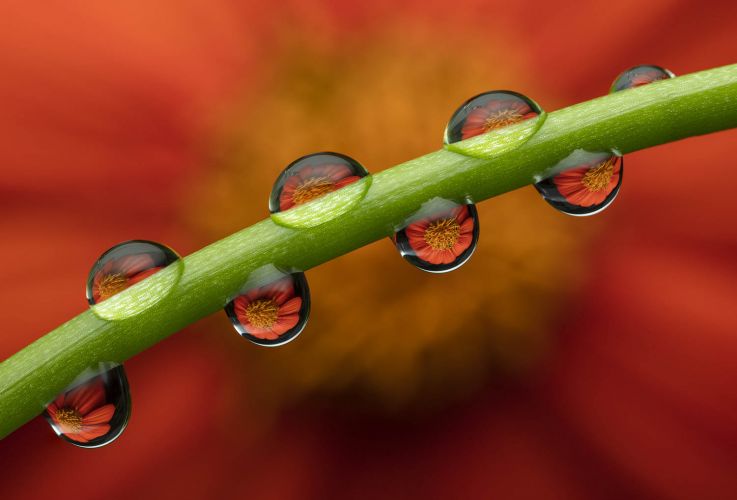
(89, 432)
(464, 241)
(86, 397)
(334, 171)
(101, 415)
(133, 264)
(143, 275)
(285, 323)
(291, 306)
(347, 180)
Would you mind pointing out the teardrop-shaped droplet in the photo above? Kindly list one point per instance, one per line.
(272, 309)
(94, 410)
(440, 237)
(312, 176)
(489, 111)
(640, 75)
(588, 184)
(125, 265)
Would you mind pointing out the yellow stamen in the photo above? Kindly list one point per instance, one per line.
(443, 234)
(69, 420)
(111, 284)
(262, 313)
(597, 178)
(311, 189)
(501, 119)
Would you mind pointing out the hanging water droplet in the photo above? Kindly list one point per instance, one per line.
(489, 111)
(586, 184)
(125, 265)
(440, 237)
(312, 176)
(93, 411)
(640, 75)
(272, 308)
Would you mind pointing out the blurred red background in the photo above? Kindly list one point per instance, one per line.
(586, 358)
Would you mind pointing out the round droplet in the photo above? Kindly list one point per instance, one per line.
(271, 311)
(489, 111)
(640, 75)
(125, 265)
(585, 188)
(440, 237)
(312, 176)
(93, 411)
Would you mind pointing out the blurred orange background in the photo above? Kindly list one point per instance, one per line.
(570, 358)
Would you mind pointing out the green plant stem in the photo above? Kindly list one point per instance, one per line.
(324, 229)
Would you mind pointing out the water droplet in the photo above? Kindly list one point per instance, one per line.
(640, 75)
(440, 237)
(489, 111)
(94, 410)
(125, 265)
(584, 183)
(272, 308)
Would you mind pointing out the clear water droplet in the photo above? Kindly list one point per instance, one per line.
(272, 308)
(440, 237)
(311, 177)
(586, 184)
(489, 111)
(94, 410)
(589, 183)
(125, 265)
(640, 75)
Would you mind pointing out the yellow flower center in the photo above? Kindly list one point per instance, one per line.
(501, 119)
(311, 189)
(111, 284)
(262, 313)
(443, 234)
(598, 177)
(69, 420)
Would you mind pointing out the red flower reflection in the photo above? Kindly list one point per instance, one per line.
(589, 185)
(269, 312)
(495, 114)
(81, 414)
(119, 274)
(645, 77)
(313, 181)
(440, 240)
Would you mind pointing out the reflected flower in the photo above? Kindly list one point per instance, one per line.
(119, 274)
(269, 312)
(590, 185)
(81, 414)
(440, 240)
(313, 181)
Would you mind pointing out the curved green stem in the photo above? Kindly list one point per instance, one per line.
(374, 208)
